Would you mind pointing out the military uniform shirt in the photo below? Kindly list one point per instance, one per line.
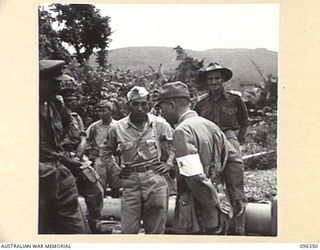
(198, 136)
(204, 156)
(228, 111)
(134, 146)
(75, 131)
(54, 124)
(96, 133)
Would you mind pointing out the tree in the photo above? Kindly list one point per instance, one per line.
(264, 94)
(84, 29)
(188, 70)
(50, 45)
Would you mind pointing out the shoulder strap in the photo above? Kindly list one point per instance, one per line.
(234, 92)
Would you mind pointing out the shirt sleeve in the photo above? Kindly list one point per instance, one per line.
(234, 179)
(186, 153)
(81, 126)
(220, 153)
(164, 130)
(242, 113)
(191, 168)
(233, 174)
(90, 136)
(109, 145)
(165, 137)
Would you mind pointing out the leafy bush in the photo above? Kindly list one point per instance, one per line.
(105, 83)
(262, 137)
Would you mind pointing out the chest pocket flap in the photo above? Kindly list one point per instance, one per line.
(126, 150)
(229, 110)
(124, 146)
(148, 149)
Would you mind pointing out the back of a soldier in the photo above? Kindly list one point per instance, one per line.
(201, 129)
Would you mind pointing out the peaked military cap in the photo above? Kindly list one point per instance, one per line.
(53, 69)
(68, 94)
(171, 90)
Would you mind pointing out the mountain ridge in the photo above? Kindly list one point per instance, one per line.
(137, 58)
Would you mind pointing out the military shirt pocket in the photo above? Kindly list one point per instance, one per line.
(229, 110)
(125, 146)
(229, 115)
(148, 149)
(126, 151)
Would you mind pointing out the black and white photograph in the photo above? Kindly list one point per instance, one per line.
(174, 123)
(158, 119)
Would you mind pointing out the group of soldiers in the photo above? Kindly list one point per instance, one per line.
(194, 154)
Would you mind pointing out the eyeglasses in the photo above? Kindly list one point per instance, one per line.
(137, 104)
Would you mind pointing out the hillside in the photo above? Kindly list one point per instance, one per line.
(238, 60)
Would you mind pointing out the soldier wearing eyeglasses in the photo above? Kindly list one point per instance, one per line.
(137, 138)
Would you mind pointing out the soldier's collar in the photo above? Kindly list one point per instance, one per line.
(224, 93)
(187, 114)
(130, 124)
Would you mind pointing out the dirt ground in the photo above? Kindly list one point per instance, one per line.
(260, 185)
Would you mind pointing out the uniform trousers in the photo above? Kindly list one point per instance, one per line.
(237, 224)
(144, 197)
(92, 193)
(59, 211)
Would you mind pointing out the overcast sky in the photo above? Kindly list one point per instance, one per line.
(194, 26)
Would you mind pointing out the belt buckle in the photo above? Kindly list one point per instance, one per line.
(144, 168)
(137, 169)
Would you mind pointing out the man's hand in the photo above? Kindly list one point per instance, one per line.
(69, 162)
(161, 168)
(223, 204)
(72, 164)
(239, 206)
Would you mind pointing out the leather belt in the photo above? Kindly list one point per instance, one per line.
(140, 168)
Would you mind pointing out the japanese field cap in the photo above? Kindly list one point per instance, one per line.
(137, 92)
(53, 69)
(226, 73)
(172, 90)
